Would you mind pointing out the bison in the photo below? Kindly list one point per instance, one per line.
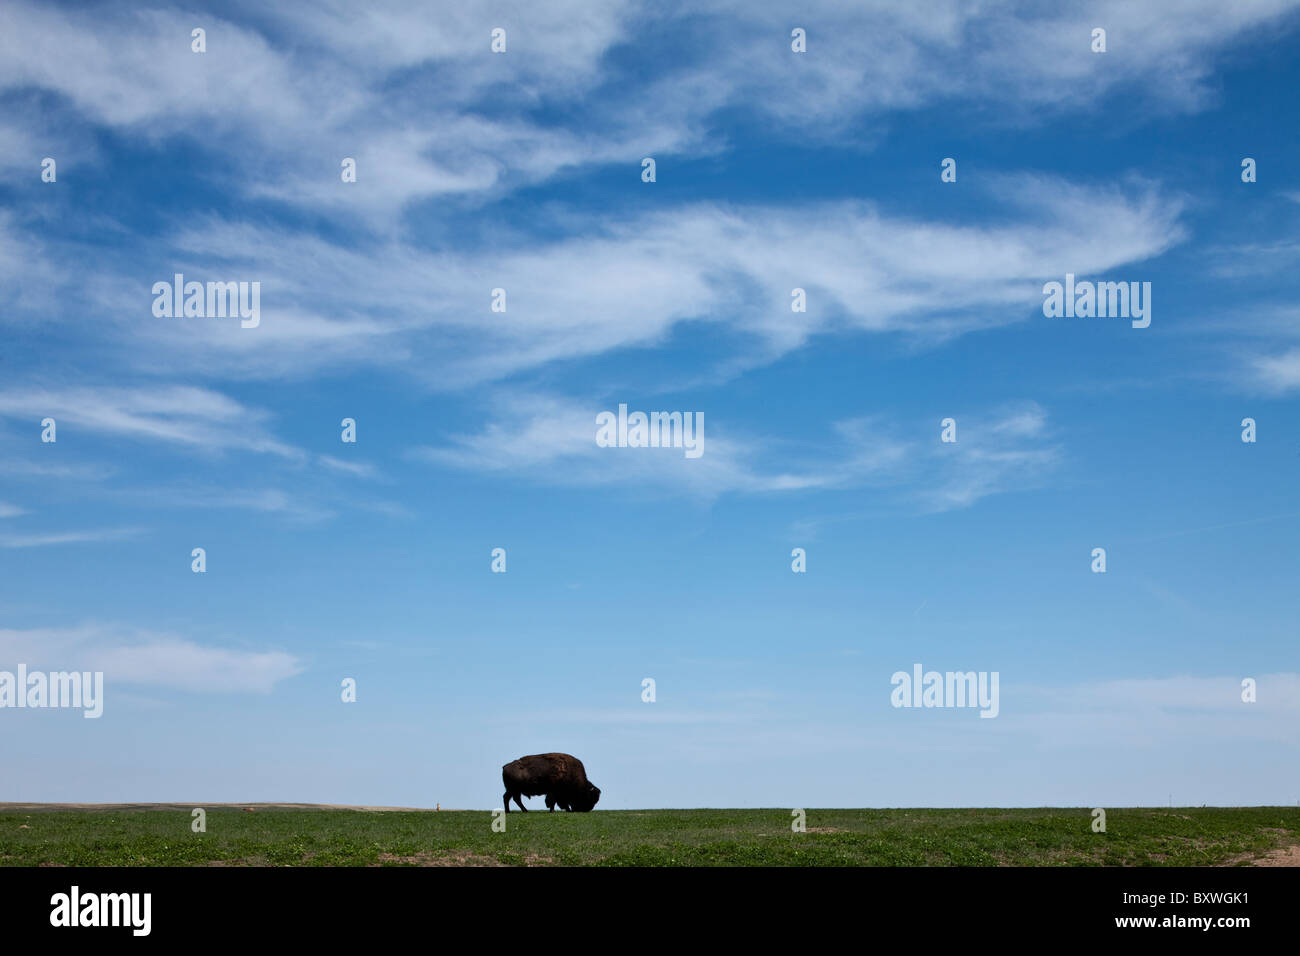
(560, 776)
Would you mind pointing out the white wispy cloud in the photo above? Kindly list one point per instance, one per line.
(359, 469)
(303, 83)
(1147, 712)
(609, 283)
(28, 469)
(176, 414)
(295, 505)
(1079, 719)
(144, 658)
(1277, 373)
(552, 440)
(310, 498)
(871, 57)
(309, 84)
(1276, 693)
(47, 538)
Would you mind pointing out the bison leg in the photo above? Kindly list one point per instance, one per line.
(550, 803)
(521, 803)
(506, 798)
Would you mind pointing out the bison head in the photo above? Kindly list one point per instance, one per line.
(586, 800)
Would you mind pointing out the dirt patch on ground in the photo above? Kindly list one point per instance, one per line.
(827, 830)
(455, 858)
(1282, 856)
(242, 861)
(1286, 856)
(1061, 857)
(425, 858)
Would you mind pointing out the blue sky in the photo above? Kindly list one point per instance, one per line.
(476, 429)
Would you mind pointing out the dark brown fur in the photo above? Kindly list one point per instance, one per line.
(561, 777)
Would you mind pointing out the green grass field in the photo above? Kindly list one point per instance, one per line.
(335, 837)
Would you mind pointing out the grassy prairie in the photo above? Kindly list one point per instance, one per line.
(282, 836)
